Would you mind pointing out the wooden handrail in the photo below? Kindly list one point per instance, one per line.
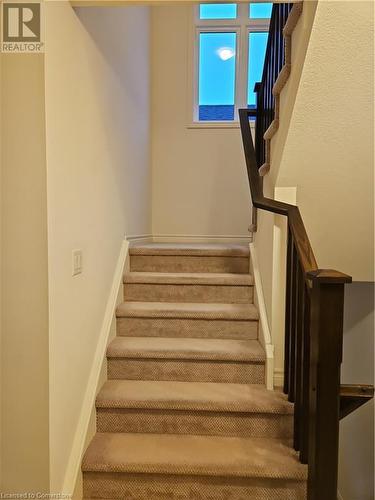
(314, 307)
(313, 341)
(302, 242)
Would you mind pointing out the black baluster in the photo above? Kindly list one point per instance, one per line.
(292, 345)
(300, 304)
(304, 432)
(289, 265)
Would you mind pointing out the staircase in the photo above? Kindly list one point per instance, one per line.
(185, 413)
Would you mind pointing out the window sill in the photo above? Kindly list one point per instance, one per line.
(207, 124)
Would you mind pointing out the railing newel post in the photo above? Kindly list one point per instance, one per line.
(326, 334)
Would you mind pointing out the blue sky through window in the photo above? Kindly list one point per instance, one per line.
(257, 50)
(260, 10)
(218, 11)
(217, 59)
(217, 68)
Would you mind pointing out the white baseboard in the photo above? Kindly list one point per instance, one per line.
(140, 238)
(264, 330)
(77, 451)
(278, 378)
(188, 238)
(201, 238)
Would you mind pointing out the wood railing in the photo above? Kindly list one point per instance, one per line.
(314, 303)
(313, 342)
(273, 63)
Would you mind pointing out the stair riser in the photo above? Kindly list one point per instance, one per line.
(189, 264)
(187, 328)
(188, 293)
(185, 370)
(187, 487)
(194, 422)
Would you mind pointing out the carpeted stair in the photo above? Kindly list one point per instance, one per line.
(185, 413)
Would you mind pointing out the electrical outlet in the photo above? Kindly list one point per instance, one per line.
(76, 262)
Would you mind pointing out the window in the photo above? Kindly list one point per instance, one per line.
(257, 43)
(260, 10)
(230, 44)
(217, 75)
(218, 11)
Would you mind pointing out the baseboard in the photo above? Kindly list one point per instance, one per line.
(201, 238)
(264, 330)
(188, 238)
(140, 238)
(79, 441)
(278, 378)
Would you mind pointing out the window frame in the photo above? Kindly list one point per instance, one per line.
(242, 26)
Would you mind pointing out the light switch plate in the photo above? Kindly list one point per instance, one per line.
(76, 262)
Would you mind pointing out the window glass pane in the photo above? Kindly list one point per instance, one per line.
(260, 10)
(257, 50)
(217, 75)
(218, 11)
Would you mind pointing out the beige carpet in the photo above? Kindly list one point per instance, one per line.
(185, 413)
(195, 287)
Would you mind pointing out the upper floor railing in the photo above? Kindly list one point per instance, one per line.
(273, 63)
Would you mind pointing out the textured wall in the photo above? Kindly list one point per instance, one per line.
(328, 153)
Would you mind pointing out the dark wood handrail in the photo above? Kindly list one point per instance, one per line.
(314, 309)
(302, 242)
(313, 341)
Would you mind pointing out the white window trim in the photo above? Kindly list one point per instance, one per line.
(242, 25)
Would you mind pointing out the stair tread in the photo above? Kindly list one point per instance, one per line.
(187, 310)
(225, 279)
(193, 455)
(191, 249)
(204, 396)
(186, 348)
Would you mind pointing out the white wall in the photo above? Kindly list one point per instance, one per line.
(1, 275)
(24, 281)
(97, 118)
(356, 467)
(200, 183)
